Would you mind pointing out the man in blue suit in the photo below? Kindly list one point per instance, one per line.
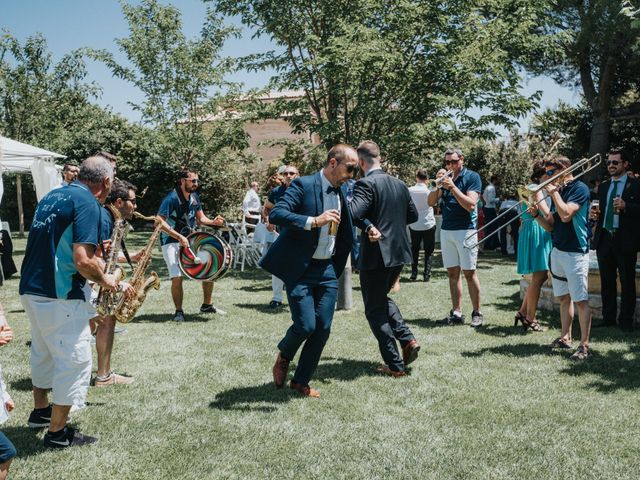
(309, 256)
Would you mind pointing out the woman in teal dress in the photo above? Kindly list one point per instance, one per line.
(534, 245)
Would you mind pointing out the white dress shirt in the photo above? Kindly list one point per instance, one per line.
(326, 242)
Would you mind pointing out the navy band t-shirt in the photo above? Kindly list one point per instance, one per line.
(63, 217)
(572, 236)
(454, 217)
(183, 220)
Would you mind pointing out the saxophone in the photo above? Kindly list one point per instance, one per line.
(106, 300)
(127, 307)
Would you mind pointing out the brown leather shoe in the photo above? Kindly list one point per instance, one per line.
(280, 369)
(304, 390)
(410, 352)
(392, 373)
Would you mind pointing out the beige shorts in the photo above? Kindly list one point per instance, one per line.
(60, 347)
(575, 268)
(454, 253)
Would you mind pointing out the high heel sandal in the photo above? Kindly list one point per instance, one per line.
(526, 323)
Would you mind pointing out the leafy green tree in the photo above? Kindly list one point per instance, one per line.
(409, 74)
(182, 81)
(598, 53)
(40, 99)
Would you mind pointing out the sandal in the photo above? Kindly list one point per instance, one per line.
(531, 324)
(526, 323)
(561, 344)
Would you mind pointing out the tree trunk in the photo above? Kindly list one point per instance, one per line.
(599, 141)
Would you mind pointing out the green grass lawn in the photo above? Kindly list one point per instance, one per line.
(488, 404)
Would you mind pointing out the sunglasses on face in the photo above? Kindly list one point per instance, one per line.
(449, 162)
(351, 167)
(615, 163)
(132, 200)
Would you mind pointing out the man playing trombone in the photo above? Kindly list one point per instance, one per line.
(459, 189)
(569, 260)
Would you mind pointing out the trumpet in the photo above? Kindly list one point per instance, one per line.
(437, 183)
(527, 194)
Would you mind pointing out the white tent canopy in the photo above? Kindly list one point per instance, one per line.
(23, 158)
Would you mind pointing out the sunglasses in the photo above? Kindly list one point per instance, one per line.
(615, 163)
(449, 162)
(132, 200)
(350, 167)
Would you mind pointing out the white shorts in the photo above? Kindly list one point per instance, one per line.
(454, 253)
(575, 268)
(60, 347)
(170, 253)
(90, 295)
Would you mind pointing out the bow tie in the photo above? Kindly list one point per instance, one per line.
(331, 189)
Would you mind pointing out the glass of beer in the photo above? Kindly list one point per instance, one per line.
(333, 228)
(595, 209)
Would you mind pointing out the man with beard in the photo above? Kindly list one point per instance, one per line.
(182, 210)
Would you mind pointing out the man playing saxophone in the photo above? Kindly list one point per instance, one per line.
(120, 203)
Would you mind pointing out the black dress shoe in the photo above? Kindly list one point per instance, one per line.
(274, 304)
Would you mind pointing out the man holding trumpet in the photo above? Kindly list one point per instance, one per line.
(569, 259)
(459, 189)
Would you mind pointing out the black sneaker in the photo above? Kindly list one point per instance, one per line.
(179, 316)
(273, 304)
(207, 308)
(67, 437)
(451, 319)
(477, 319)
(40, 417)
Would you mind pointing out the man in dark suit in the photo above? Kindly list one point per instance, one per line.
(616, 239)
(382, 208)
(309, 256)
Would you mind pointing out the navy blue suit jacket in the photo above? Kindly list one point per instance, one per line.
(290, 255)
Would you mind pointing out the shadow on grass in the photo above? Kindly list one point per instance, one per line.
(28, 442)
(423, 322)
(507, 303)
(262, 308)
(615, 369)
(255, 288)
(519, 350)
(22, 384)
(265, 397)
(168, 317)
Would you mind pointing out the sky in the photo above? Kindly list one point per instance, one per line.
(71, 24)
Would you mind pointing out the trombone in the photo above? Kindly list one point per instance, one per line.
(527, 195)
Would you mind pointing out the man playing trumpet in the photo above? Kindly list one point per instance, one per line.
(459, 193)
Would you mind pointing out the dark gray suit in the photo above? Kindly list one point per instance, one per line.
(384, 202)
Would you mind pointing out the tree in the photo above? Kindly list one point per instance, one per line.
(410, 74)
(39, 100)
(598, 52)
(182, 81)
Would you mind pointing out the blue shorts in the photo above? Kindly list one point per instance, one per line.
(7, 450)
